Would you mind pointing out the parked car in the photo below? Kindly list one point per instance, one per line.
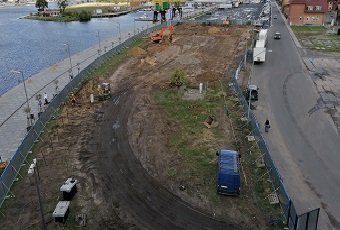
(252, 91)
(277, 35)
(275, 16)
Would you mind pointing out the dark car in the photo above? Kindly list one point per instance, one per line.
(252, 91)
(277, 35)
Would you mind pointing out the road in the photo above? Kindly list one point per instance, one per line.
(148, 203)
(305, 146)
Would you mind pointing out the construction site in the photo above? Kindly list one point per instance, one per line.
(140, 149)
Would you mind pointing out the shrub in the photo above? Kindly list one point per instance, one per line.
(84, 16)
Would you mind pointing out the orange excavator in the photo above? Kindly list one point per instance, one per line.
(163, 35)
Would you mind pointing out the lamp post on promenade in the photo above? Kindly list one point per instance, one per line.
(34, 169)
(120, 34)
(29, 122)
(69, 56)
(100, 49)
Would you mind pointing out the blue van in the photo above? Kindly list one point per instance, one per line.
(228, 176)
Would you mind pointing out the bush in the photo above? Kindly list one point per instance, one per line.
(179, 77)
(84, 16)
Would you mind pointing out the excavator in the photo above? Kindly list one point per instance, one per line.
(163, 35)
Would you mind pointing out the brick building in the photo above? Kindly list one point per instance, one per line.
(307, 12)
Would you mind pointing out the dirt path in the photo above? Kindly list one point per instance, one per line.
(115, 149)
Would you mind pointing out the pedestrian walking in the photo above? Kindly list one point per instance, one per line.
(73, 99)
(45, 103)
(266, 126)
(45, 96)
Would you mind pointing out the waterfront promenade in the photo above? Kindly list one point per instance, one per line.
(13, 116)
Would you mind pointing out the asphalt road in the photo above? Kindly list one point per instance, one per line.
(304, 144)
(146, 202)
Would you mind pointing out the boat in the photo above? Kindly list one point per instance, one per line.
(144, 17)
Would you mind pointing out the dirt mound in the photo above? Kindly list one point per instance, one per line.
(213, 30)
(137, 51)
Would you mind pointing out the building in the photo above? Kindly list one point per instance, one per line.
(49, 13)
(307, 12)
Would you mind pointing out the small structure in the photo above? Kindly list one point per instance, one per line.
(69, 189)
(49, 13)
(61, 211)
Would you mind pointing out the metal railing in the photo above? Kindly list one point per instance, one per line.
(11, 172)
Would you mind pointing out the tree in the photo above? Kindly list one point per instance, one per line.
(41, 4)
(84, 16)
(179, 77)
(62, 4)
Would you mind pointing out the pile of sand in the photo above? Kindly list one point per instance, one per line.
(136, 51)
(213, 30)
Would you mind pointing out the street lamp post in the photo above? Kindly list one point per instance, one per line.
(100, 49)
(29, 121)
(120, 34)
(134, 27)
(33, 169)
(69, 55)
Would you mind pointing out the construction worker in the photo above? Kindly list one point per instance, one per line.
(73, 99)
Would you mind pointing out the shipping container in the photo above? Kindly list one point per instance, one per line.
(228, 175)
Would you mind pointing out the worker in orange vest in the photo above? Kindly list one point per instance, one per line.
(73, 99)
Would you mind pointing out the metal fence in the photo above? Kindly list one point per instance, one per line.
(11, 172)
(306, 221)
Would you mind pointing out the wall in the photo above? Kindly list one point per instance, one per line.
(295, 12)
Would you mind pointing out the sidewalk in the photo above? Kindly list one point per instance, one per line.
(13, 118)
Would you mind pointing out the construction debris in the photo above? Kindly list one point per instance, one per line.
(211, 122)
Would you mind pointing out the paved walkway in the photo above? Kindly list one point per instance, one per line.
(13, 118)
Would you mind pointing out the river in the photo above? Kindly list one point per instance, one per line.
(32, 45)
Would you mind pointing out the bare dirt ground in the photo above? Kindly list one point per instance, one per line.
(117, 150)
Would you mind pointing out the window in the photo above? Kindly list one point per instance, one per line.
(300, 18)
(318, 8)
(317, 18)
(310, 7)
(313, 18)
(307, 18)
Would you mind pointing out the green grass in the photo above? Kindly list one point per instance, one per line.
(308, 28)
(55, 19)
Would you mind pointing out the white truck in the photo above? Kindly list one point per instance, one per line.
(259, 51)
(236, 4)
(225, 6)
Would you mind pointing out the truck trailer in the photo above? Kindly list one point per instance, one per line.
(259, 51)
(228, 175)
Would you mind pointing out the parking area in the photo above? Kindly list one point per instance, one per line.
(250, 11)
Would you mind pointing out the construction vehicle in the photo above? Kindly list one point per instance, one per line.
(3, 165)
(164, 35)
(104, 91)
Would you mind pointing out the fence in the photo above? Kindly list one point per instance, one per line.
(12, 170)
(306, 221)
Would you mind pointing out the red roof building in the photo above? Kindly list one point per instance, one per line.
(307, 12)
